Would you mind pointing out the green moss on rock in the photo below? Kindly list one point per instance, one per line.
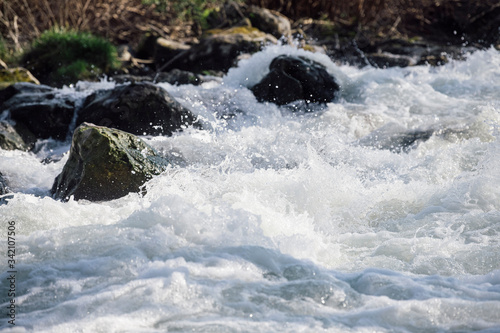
(106, 164)
(10, 76)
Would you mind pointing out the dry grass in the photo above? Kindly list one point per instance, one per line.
(407, 17)
(121, 21)
(125, 21)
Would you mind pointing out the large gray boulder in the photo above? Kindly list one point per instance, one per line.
(296, 78)
(139, 108)
(106, 164)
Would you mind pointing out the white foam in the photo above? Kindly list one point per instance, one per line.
(276, 221)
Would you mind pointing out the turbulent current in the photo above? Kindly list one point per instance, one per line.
(300, 218)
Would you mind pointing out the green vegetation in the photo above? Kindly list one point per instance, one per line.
(4, 51)
(60, 57)
(199, 11)
(8, 54)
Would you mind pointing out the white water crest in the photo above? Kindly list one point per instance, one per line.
(280, 219)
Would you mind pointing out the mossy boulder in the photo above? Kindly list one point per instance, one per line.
(106, 164)
(140, 108)
(10, 138)
(10, 76)
(296, 78)
(21, 88)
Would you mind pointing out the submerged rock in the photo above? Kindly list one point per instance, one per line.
(106, 164)
(396, 138)
(3, 185)
(139, 108)
(10, 138)
(296, 78)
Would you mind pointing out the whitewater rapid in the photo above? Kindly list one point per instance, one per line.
(279, 219)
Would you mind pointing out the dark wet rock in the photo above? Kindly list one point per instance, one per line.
(270, 21)
(386, 60)
(28, 137)
(178, 77)
(230, 14)
(404, 142)
(174, 77)
(396, 138)
(106, 164)
(138, 108)
(45, 114)
(296, 78)
(147, 45)
(10, 138)
(129, 78)
(219, 49)
(3, 185)
(166, 50)
(345, 44)
(433, 60)
(417, 52)
(19, 88)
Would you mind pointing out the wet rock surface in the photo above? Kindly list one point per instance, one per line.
(10, 138)
(139, 108)
(296, 78)
(3, 185)
(21, 88)
(174, 77)
(396, 138)
(44, 114)
(219, 49)
(106, 164)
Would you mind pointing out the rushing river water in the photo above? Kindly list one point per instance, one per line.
(277, 221)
